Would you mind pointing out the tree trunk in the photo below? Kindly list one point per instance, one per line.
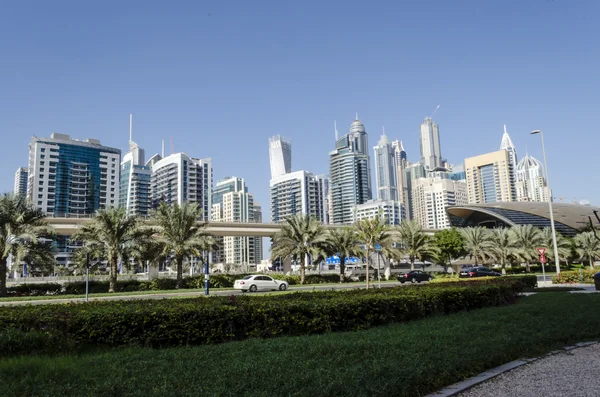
(3, 268)
(527, 268)
(368, 269)
(412, 263)
(302, 269)
(179, 261)
(388, 269)
(113, 266)
(591, 262)
(503, 268)
(342, 268)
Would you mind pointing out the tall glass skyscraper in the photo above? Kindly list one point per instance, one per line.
(21, 181)
(508, 145)
(280, 156)
(431, 152)
(385, 170)
(68, 177)
(134, 189)
(350, 174)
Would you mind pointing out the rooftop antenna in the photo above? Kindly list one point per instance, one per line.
(436, 109)
(383, 129)
(356, 115)
(335, 129)
(130, 127)
(171, 138)
(163, 149)
(505, 129)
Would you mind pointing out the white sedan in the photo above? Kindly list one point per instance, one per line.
(260, 282)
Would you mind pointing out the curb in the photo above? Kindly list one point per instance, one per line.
(466, 384)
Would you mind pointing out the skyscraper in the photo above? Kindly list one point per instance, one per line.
(231, 202)
(508, 145)
(489, 178)
(401, 162)
(280, 155)
(296, 193)
(531, 184)
(392, 211)
(21, 181)
(178, 178)
(412, 173)
(134, 189)
(350, 174)
(258, 241)
(431, 197)
(385, 170)
(431, 153)
(72, 177)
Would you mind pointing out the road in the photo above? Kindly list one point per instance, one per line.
(192, 294)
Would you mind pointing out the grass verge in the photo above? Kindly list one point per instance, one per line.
(402, 359)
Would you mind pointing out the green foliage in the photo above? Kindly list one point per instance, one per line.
(415, 243)
(37, 289)
(342, 242)
(588, 247)
(221, 319)
(450, 244)
(373, 232)
(567, 277)
(477, 242)
(528, 281)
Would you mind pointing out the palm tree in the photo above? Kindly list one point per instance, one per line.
(588, 247)
(342, 242)
(564, 245)
(111, 231)
(300, 237)
(372, 232)
(477, 242)
(528, 238)
(415, 243)
(40, 258)
(503, 247)
(180, 233)
(20, 224)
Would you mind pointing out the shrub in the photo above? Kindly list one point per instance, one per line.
(220, 319)
(37, 289)
(567, 277)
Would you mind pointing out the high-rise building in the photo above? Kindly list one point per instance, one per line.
(489, 178)
(134, 189)
(432, 196)
(391, 210)
(350, 174)
(72, 177)
(258, 241)
(296, 193)
(401, 162)
(178, 178)
(21, 181)
(386, 178)
(508, 145)
(231, 202)
(531, 184)
(412, 173)
(431, 152)
(323, 197)
(280, 156)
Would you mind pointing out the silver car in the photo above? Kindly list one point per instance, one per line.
(260, 282)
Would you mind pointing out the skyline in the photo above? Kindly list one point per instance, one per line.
(221, 84)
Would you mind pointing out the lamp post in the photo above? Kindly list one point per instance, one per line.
(556, 261)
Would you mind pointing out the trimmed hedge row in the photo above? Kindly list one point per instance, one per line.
(529, 281)
(221, 319)
(159, 284)
(570, 277)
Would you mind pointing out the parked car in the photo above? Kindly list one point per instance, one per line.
(260, 282)
(479, 271)
(414, 276)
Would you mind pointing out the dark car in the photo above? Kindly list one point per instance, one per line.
(478, 272)
(414, 276)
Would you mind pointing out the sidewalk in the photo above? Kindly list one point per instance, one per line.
(573, 373)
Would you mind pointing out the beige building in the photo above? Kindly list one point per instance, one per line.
(490, 178)
(432, 196)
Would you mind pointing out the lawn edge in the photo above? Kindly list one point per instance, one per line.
(473, 381)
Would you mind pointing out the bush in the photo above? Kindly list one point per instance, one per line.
(566, 277)
(38, 289)
(523, 281)
(221, 319)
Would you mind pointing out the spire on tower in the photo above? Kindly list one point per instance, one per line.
(335, 130)
(130, 127)
(356, 115)
(506, 141)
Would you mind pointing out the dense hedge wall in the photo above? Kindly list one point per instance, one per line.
(529, 281)
(177, 322)
(159, 284)
(567, 277)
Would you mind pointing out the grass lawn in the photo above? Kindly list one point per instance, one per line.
(398, 360)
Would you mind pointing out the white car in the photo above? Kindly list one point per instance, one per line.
(260, 282)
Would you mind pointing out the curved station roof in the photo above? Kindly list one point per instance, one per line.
(568, 218)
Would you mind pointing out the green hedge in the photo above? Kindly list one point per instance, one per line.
(37, 289)
(528, 281)
(178, 322)
(567, 277)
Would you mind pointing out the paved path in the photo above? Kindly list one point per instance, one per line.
(193, 294)
(573, 373)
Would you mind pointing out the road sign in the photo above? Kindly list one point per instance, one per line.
(543, 259)
(541, 251)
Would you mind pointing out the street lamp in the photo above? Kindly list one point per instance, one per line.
(534, 132)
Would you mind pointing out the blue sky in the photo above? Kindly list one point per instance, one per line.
(220, 77)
